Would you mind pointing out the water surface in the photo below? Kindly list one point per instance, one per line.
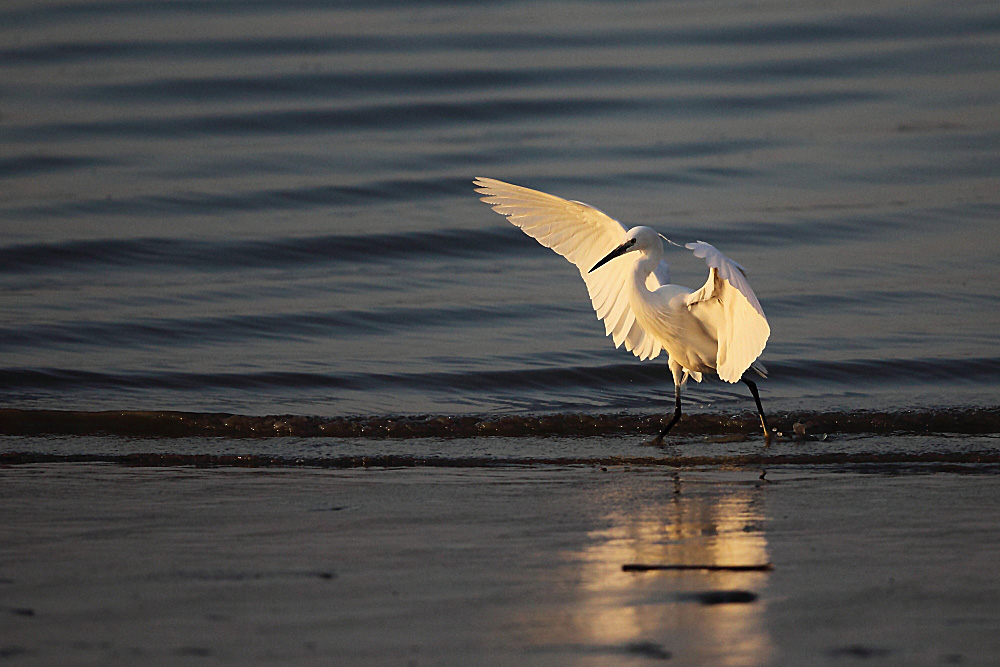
(267, 207)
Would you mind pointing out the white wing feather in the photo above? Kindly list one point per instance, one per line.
(583, 235)
(727, 303)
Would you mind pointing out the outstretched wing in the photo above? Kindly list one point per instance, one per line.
(727, 304)
(583, 235)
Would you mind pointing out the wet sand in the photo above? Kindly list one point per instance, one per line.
(503, 565)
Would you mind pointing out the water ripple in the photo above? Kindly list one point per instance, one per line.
(854, 373)
(420, 114)
(153, 253)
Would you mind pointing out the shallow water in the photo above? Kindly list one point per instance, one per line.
(511, 566)
(267, 207)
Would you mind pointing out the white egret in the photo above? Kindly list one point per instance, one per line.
(719, 328)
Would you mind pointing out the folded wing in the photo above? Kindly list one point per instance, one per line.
(583, 235)
(727, 304)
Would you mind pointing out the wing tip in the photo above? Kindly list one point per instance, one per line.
(484, 184)
(487, 182)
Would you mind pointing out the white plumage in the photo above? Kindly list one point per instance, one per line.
(718, 328)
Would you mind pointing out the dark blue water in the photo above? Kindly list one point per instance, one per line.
(266, 207)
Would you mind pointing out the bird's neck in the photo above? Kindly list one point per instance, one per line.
(651, 306)
(645, 265)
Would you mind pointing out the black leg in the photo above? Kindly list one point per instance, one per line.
(677, 411)
(658, 440)
(760, 409)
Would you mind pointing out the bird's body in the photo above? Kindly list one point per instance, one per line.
(719, 328)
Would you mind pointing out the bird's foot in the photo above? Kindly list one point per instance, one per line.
(800, 432)
(655, 442)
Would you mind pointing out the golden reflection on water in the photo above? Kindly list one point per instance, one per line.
(712, 518)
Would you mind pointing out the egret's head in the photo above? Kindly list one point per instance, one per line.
(637, 238)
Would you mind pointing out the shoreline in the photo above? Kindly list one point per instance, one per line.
(937, 461)
(179, 424)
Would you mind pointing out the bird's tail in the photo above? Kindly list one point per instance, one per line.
(759, 368)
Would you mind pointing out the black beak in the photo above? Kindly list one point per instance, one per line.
(620, 250)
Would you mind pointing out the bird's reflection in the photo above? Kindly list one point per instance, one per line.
(705, 519)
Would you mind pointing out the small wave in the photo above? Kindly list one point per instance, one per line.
(210, 330)
(869, 371)
(869, 300)
(159, 253)
(31, 164)
(421, 83)
(838, 27)
(192, 424)
(419, 114)
(199, 203)
(634, 376)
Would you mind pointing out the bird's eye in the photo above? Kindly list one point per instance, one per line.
(631, 242)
